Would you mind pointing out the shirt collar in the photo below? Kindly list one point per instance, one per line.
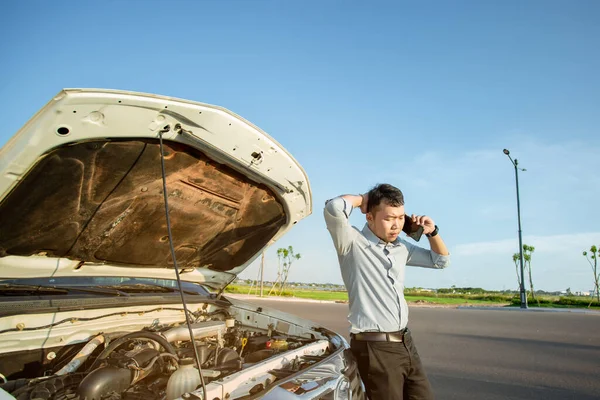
(373, 239)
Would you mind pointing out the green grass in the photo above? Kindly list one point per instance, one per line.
(427, 297)
(559, 302)
(321, 295)
(449, 300)
(343, 296)
(303, 294)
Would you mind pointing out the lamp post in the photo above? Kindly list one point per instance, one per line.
(515, 163)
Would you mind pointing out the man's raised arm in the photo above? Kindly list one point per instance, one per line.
(336, 213)
(438, 256)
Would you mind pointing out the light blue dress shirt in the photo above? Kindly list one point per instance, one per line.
(373, 271)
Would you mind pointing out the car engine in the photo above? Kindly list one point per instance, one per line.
(238, 359)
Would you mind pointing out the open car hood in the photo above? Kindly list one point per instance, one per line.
(81, 190)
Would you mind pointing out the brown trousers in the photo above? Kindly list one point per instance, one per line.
(392, 370)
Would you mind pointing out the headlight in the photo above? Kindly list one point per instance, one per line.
(324, 381)
(341, 392)
(301, 389)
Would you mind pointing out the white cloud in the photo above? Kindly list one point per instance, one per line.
(576, 243)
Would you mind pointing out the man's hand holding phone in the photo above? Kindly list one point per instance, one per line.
(417, 225)
(424, 221)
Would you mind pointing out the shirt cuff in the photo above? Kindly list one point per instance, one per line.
(347, 208)
(440, 261)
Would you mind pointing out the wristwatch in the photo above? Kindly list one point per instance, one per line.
(434, 233)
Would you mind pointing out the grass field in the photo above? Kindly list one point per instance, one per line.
(446, 300)
(343, 296)
(320, 295)
(499, 300)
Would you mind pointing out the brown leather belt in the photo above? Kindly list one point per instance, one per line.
(380, 336)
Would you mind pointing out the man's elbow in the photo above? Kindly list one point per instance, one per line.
(333, 208)
(329, 216)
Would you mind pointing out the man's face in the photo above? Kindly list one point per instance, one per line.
(386, 221)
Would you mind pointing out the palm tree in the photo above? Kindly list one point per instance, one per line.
(595, 253)
(285, 258)
(515, 260)
(289, 257)
(528, 251)
(279, 274)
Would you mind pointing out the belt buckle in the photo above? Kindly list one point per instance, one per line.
(397, 337)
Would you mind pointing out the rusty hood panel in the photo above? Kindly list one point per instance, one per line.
(99, 200)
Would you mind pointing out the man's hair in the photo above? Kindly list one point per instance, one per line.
(385, 193)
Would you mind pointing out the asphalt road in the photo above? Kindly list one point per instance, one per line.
(491, 354)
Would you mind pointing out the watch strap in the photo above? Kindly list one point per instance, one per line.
(434, 233)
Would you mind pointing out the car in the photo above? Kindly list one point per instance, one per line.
(124, 216)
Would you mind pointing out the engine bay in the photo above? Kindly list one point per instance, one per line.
(148, 354)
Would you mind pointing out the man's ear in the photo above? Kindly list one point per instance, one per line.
(369, 216)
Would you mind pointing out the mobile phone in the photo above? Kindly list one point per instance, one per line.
(412, 229)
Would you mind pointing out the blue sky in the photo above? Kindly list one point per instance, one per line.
(424, 96)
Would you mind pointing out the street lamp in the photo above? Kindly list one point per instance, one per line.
(515, 163)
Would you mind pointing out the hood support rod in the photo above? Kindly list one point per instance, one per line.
(166, 129)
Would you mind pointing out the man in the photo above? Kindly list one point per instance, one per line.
(372, 262)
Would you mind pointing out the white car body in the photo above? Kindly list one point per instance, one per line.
(85, 260)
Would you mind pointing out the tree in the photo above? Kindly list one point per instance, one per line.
(288, 258)
(516, 261)
(592, 258)
(527, 252)
(285, 258)
(279, 257)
